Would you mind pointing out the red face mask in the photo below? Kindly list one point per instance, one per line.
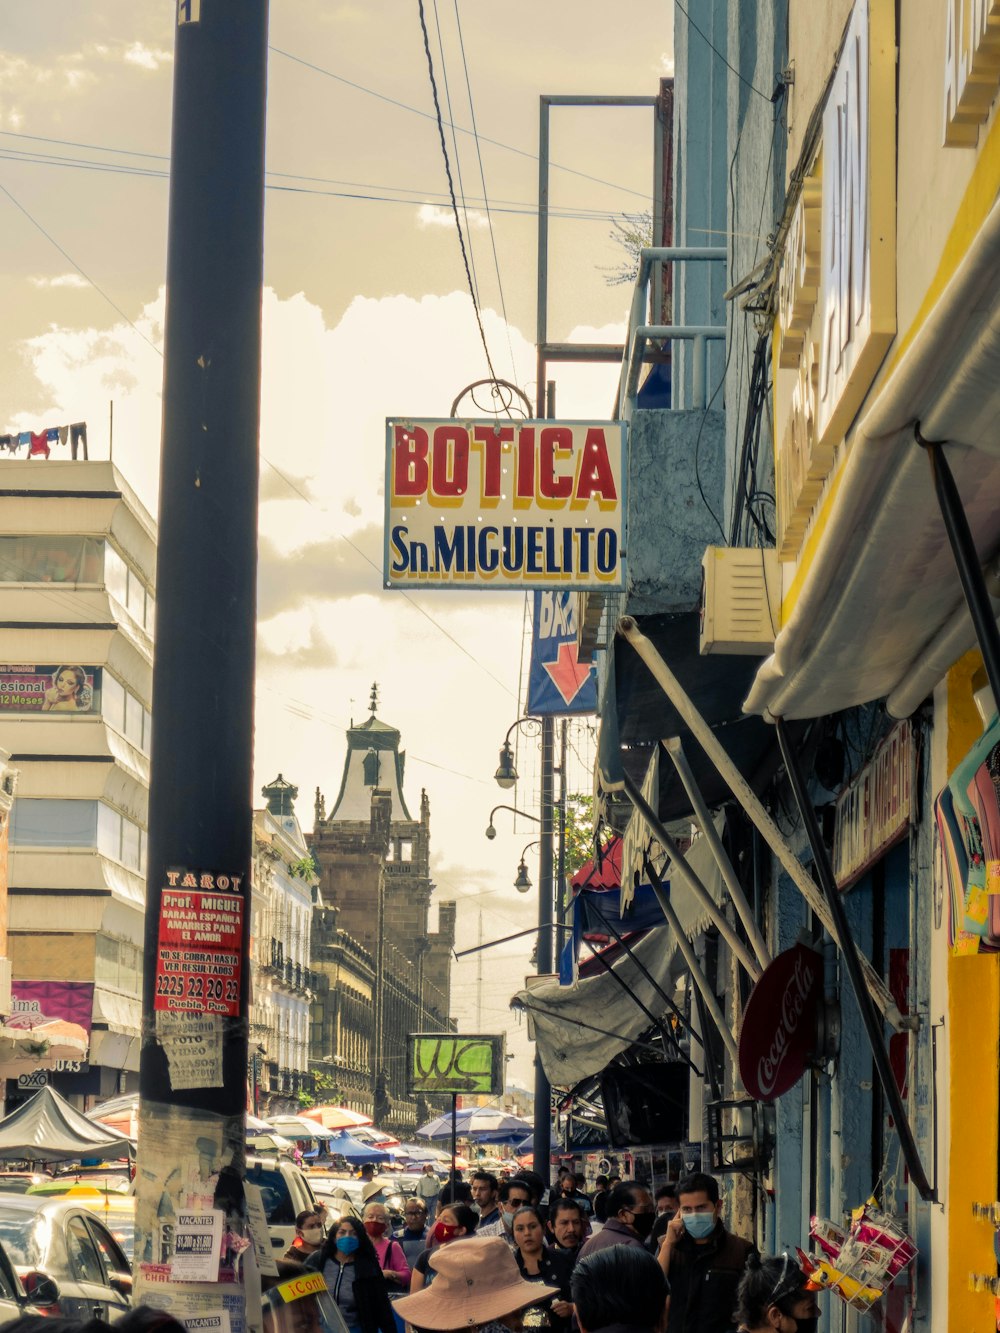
(375, 1229)
(444, 1231)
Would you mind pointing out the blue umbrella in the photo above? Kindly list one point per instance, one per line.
(352, 1150)
(485, 1124)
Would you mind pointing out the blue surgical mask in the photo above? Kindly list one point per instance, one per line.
(699, 1225)
(347, 1244)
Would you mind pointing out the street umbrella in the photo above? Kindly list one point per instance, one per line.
(337, 1117)
(353, 1151)
(48, 1129)
(298, 1127)
(484, 1124)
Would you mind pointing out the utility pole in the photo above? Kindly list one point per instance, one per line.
(194, 1054)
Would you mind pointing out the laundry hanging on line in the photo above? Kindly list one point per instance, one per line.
(39, 443)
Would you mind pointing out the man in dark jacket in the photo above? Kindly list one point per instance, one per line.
(630, 1219)
(619, 1290)
(703, 1262)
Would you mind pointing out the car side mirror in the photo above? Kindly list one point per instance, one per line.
(41, 1289)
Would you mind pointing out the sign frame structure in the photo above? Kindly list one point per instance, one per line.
(502, 505)
(451, 1080)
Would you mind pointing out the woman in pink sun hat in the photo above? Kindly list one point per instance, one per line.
(477, 1286)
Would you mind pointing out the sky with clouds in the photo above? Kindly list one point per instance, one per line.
(366, 315)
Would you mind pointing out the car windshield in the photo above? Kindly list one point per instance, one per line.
(278, 1206)
(25, 1236)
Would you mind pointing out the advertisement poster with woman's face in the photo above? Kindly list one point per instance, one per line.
(52, 688)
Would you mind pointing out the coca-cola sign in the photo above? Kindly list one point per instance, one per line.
(779, 1023)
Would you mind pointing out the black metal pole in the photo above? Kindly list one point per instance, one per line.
(869, 1017)
(193, 1060)
(969, 569)
(542, 1137)
(454, 1143)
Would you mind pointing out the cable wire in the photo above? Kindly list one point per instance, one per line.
(451, 189)
(713, 48)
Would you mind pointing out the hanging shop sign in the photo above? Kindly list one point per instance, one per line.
(504, 504)
(778, 1032)
(971, 68)
(441, 1062)
(837, 287)
(559, 684)
(49, 688)
(200, 944)
(875, 810)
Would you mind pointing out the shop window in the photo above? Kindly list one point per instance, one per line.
(51, 559)
(53, 823)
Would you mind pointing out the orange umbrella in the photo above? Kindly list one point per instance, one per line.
(337, 1117)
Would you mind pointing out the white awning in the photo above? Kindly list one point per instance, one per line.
(881, 611)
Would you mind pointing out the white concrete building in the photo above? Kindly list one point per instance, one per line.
(77, 578)
(281, 927)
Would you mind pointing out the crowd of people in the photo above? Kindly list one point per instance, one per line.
(617, 1259)
(491, 1256)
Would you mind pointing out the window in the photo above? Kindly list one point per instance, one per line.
(115, 575)
(131, 837)
(114, 702)
(406, 851)
(51, 823)
(133, 719)
(50, 559)
(109, 832)
(83, 1256)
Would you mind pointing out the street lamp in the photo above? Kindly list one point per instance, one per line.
(491, 832)
(506, 774)
(523, 881)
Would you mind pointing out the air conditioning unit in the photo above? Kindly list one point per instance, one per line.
(740, 600)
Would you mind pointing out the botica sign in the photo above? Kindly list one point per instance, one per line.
(779, 1023)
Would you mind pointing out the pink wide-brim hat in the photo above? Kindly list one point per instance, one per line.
(477, 1280)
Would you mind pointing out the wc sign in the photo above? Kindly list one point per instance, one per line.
(559, 683)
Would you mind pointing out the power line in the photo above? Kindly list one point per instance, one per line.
(458, 156)
(713, 48)
(288, 482)
(482, 177)
(451, 189)
(429, 197)
(496, 143)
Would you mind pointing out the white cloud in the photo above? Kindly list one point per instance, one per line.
(60, 280)
(665, 69)
(433, 215)
(146, 57)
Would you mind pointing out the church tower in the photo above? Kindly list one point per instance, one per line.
(373, 861)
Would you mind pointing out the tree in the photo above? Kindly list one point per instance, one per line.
(580, 842)
(631, 233)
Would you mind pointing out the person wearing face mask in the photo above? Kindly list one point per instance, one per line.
(775, 1296)
(308, 1237)
(354, 1278)
(512, 1194)
(389, 1252)
(665, 1201)
(703, 1261)
(630, 1219)
(454, 1221)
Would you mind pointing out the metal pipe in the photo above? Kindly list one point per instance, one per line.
(698, 372)
(970, 572)
(722, 922)
(750, 802)
(876, 1037)
(675, 749)
(621, 940)
(691, 962)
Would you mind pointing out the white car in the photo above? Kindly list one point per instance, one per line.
(286, 1192)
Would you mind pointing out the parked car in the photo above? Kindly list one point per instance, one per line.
(286, 1192)
(14, 1299)
(61, 1240)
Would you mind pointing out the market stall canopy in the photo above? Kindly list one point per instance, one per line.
(353, 1150)
(299, 1127)
(48, 1129)
(485, 1124)
(878, 608)
(336, 1117)
(580, 1028)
